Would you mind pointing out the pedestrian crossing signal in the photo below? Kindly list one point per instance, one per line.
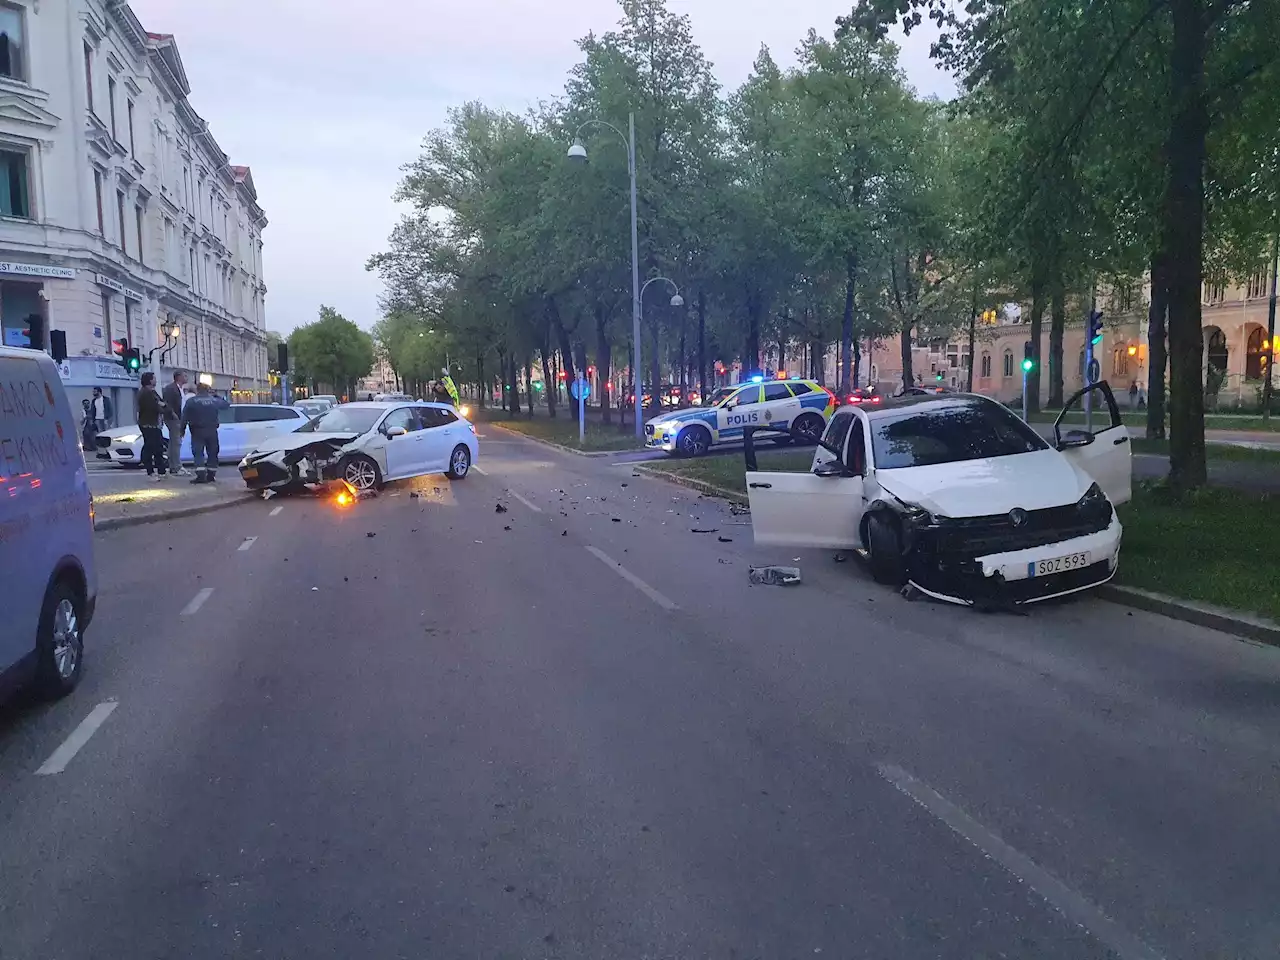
(133, 359)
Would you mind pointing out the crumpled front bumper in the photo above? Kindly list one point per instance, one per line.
(1008, 578)
(314, 463)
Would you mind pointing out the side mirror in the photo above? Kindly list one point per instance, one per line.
(833, 468)
(1075, 438)
(394, 432)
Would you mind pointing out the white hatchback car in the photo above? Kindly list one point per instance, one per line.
(241, 428)
(367, 444)
(956, 497)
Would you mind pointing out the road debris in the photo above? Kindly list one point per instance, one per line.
(565, 534)
(413, 494)
(624, 484)
(725, 539)
(499, 508)
(371, 534)
(839, 558)
(738, 510)
(709, 530)
(507, 527)
(616, 519)
(315, 589)
(268, 494)
(774, 576)
(724, 561)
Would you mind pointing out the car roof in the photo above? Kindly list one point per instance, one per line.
(927, 404)
(390, 404)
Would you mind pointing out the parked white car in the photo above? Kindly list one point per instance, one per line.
(956, 497)
(367, 444)
(48, 578)
(241, 427)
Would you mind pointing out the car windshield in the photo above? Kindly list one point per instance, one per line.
(721, 395)
(931, 435)
(344, 420)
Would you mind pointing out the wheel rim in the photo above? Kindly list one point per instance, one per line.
(66, 639)
(693, 443)
(461, 461)
(808, 430)
(360, 474)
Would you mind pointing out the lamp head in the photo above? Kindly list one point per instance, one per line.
(577, 153)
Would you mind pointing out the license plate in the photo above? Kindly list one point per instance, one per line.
(249, 473)
(1045, 568)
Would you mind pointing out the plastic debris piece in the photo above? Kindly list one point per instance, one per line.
(624, 484)
(724, 561)
(774, 576)
(370, 534)
(708, 530)
(507, 527)
(315, 589)
(616, 519)
(840, 558)
(565, 533)
(725, 539)
(499, 508)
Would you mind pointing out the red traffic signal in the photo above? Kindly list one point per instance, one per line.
(562, 375)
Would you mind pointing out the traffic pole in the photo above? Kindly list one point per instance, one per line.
(1024, 393)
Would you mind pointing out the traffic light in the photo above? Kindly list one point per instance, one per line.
(940, 376)
(282, 357)
(133, 359)
(35, 331)
(1028, 357)
(1095, 327)
(121, 349)
(58, 345)
(562, 375)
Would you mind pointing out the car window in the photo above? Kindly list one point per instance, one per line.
(406, 418)
(436, 417)
(720, 396)
(856, 456)
(227, 415)
(837, 430)
(357, 420)
(246, 414)
(799, 388)
(947, 434)
(749, 394)
(777, 391)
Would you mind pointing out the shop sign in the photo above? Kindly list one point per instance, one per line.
(104, 281)
(37, 270)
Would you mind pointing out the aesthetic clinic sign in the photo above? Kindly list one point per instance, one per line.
(36, 270)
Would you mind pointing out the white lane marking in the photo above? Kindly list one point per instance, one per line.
(274, 511)
(531, 506)
(1057, 894)
(248, 542)
(197, 602)
(480, 470)
(69, 747)
(632, 579)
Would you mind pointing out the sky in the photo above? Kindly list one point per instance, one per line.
(327, 100)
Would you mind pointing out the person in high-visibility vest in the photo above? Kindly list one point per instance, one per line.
(447, 381)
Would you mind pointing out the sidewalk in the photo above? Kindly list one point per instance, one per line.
(124, 497)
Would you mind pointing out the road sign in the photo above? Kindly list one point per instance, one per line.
(580, 386)
(1095, 370)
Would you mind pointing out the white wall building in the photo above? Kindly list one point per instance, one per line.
(119, 213)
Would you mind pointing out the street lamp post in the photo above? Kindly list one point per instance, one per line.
(578, 153)
(676, 301)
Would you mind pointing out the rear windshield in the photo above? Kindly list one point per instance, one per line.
(922, 437)
(344, 420)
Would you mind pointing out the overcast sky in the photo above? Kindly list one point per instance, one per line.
(325, 100)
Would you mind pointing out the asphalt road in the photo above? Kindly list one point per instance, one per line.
(589, 736)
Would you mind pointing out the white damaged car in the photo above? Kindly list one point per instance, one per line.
(956, 497)
(367, 445)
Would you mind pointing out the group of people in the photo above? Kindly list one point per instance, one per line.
(179, 412)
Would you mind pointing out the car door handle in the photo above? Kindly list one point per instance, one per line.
(760, 486)
(1119, 440)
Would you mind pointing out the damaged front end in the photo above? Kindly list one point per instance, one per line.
(310, 463)
(1007, 560)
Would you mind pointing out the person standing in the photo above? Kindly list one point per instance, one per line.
(151, 411)
(100, 410)
(88, 430)
(200, 419)
(449, 386)
(1133, 395)
(173, 400)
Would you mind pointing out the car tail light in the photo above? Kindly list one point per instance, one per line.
(853, 399)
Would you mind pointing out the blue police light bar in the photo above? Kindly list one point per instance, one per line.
(757, 379)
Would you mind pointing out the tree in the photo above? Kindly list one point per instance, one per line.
(331, 351)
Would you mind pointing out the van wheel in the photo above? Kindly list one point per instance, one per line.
(459, 462)
(884, 547)
(59, 641)
(361, 472)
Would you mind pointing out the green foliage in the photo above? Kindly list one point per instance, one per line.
(332, 350)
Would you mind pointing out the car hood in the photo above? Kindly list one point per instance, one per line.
(980, 488)
(292, 441)
(115, 433)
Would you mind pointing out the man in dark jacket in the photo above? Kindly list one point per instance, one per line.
(150, 412)
(200, 419)
(173, 420)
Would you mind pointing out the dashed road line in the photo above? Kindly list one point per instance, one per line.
(248, 542)
(534, 507)
(1057, 894)
(657, 597)
(197, 602)
(69, 747)
(480, 470)
(275, 510)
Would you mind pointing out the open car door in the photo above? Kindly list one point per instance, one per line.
(1103, 452)
(820, 508)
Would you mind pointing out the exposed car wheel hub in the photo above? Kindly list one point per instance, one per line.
(360, 474)
(66, 639)
(461, 462)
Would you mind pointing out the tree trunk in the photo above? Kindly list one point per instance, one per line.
(528, 381)
(604, 362)
(846, 325)
(502, 374)
(562, 341)
(684, 364)
(1157, 349)
(481, 383)
(1057, 324)
(751, 349)
(904, 344)
(547, 382)
(857, 362)
(1183, 242)
(973, 335)
(702, 345)
(655, 371)
(1037, 325)
(513, 398)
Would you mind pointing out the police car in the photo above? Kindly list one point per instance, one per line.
(802, 406)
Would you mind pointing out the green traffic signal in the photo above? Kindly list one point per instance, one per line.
(1028, 364)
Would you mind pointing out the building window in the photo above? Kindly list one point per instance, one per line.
(140, 218)
(1007, 368)
(986, 366)
(1215, 291)
(88, 75)
(15, 195)
(97, 190)
(106, 320)
(124, 243)
(111, 105)
(1255, 355)
(1120, 362)
(1258, 284)
(12, 64)
(191, 267)
(133, 151)
(186, 188)
(168, 244)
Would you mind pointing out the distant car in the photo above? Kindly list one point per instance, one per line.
(924, 390)
(313, 408)
(241, 427)
(387, 397)
(48, 578)
(862, 395)
(800, 406)
(328, 398)
(366, 444)
(958, 498)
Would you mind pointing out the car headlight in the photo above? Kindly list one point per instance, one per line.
(917, 515)
(129, 438)
(1095, 506)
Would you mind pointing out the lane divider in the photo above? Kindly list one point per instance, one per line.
(69, 747)
(631, 578)
(197, 602)
(274, 510)
(248, 542)
(534, 507)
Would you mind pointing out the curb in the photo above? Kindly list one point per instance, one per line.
(710, 489)
(1202, 615)
(116, 523)
(560, 446)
